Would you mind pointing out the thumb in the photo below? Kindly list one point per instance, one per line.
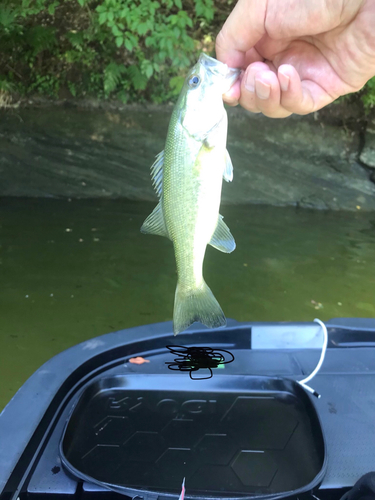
(241, 31)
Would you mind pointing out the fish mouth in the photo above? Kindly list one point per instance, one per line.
(218, 68)
(231, 78)
(209, 62)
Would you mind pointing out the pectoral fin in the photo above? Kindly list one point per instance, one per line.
(222, 238)
(228, 170)
(216, 136)
(155, 224)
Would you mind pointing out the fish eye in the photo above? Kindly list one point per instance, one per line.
(194, 81)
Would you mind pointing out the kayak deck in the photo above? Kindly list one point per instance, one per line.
(212, 420)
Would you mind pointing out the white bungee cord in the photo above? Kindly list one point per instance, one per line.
(303, 382)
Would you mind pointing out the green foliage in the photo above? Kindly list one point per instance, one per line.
(40, 38)
(7, 19)
(131, 50)
(204, 9)
(175, 84)
(137, 78)
(125, 49)
(112, 76)
(5, 85)
(46, 84)
(368, 96)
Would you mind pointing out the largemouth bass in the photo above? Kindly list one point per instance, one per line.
(188, 177)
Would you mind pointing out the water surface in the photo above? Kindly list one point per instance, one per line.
(73, 270)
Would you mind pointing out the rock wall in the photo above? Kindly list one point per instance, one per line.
(367, 155)
(88, 152)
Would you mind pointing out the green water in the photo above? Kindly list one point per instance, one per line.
(73, 270)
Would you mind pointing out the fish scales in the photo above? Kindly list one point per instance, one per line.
(190, 203)
(188, 178)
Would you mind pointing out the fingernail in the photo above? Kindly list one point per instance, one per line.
(284, 81)
(249, 81)
(263, 89)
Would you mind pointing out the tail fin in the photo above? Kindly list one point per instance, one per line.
(196, 305)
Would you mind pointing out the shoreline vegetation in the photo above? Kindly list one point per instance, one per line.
(129, 51)
(111, 50)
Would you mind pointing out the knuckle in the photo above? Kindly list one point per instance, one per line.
(249, 107)
(277, 114)
(220, 39)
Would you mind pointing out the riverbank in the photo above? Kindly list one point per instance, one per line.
(96, 149)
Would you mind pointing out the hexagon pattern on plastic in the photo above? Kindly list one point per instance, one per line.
(262, 441)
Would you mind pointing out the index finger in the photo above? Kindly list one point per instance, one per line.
(241, 31)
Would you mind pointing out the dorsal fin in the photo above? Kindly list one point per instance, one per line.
(157, 173)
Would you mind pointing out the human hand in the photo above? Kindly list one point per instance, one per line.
(297, 55)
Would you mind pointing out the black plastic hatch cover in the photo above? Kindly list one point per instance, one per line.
(236, 436)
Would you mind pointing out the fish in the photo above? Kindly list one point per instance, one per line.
(187, 177)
